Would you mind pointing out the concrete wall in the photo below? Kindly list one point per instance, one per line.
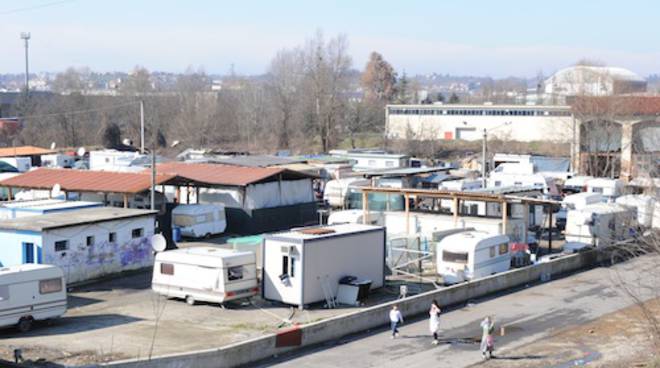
(334, 328)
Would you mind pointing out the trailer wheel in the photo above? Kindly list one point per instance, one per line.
(24, 324)
(190, 300)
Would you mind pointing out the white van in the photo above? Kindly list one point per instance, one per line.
(470, 255)
(207, 274)
(31, 292)
(199, 220)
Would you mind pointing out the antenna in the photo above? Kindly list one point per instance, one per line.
(158, 243)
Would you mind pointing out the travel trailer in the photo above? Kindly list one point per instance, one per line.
(199, 220)
(29, 293)
(355, 217)
(305, 265)
(601, 224)
(609, 188)
(336, 191)
(205, 274)
(647, 207)
(472, 254)
(57, 160)
(576, 184)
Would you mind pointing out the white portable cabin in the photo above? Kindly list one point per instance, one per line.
(600, 224)
(336, 191)
(199, 220)
(57, 160)
(31, 292)
(579, 201)
(609, 188)
(205, 274)
(355, 217)
(647, 207)
(472, 254)
(22, 164)
(304, 266)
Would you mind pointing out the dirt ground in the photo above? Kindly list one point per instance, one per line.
(617, 340)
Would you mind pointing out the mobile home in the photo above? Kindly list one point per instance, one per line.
(31, 292)
(609, 188)
(647, 207)
(472, 254)
(336, 191)
(206, 274)
(86, 243)
(601, 224)
(304, 266)
(199, 220)
(57, 160)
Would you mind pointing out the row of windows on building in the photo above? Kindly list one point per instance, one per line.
(479, 112)
(90, 240)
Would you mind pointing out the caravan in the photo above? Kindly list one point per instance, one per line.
(199, 220)
(470, 255)
(31, 292)
(205, 274)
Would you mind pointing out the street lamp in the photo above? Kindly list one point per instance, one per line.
(25, 36)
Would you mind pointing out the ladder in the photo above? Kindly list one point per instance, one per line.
(327, 292)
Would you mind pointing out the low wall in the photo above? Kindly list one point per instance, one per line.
(334, 328)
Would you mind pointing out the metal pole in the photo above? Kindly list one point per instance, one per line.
(153, 175)
(142, 127)
(483, 159)
(27, 67)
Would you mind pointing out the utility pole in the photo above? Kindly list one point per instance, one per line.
(142, 127)
(153, 171)
(483, 159)
(25, 36)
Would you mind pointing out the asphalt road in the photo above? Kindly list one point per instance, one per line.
(528, 315)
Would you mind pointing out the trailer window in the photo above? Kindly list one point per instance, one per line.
(285, 265)
(50, 286)
(293, 267)
(492, 252)
(61, 245)
(235, 273)
(504, 248)
(90, 241)
(454, 257)
(112, 237)
(167, 269)
(137, 233)
(4, 293)
(184, 220)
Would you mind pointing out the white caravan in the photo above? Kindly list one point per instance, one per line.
(199, 220)
(355, 217)
(647, 207)
(609, 188)
(207, 274)
(472, 254)
(31, 292)
(601, 224)
(579, 201)
(336, 191)
(57, 160)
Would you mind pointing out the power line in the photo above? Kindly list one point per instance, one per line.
(34, 7)
(76, 112)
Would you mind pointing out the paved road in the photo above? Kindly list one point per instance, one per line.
(528, 314)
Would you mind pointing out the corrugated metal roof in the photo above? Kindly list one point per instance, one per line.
(258, 160)
(72, 218)
(218, 174)
(24, 151)
(85, 180)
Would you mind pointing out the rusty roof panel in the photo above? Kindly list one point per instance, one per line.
(24, 151)
(85, 180)
(218, 174)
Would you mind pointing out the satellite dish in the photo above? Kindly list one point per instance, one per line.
(175, 143)
(127, 142)
(53, 145)
(81, 151)
(56, 191)
(158, 243)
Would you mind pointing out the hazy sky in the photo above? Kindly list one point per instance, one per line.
(489, 37)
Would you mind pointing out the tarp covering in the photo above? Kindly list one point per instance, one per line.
(551, 164)
(266, 195)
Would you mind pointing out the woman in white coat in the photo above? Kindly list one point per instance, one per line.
(434, 320)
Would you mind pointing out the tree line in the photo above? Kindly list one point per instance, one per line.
(310, 99)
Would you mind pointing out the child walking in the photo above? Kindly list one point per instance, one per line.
(434, 320)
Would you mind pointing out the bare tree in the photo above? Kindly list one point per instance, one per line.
(285, 78)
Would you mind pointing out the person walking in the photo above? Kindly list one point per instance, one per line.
(487, 339)
(395, 320)
(434, 320)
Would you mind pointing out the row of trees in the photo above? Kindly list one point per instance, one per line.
(310, 99)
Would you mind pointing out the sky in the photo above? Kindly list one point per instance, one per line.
(496, 38)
